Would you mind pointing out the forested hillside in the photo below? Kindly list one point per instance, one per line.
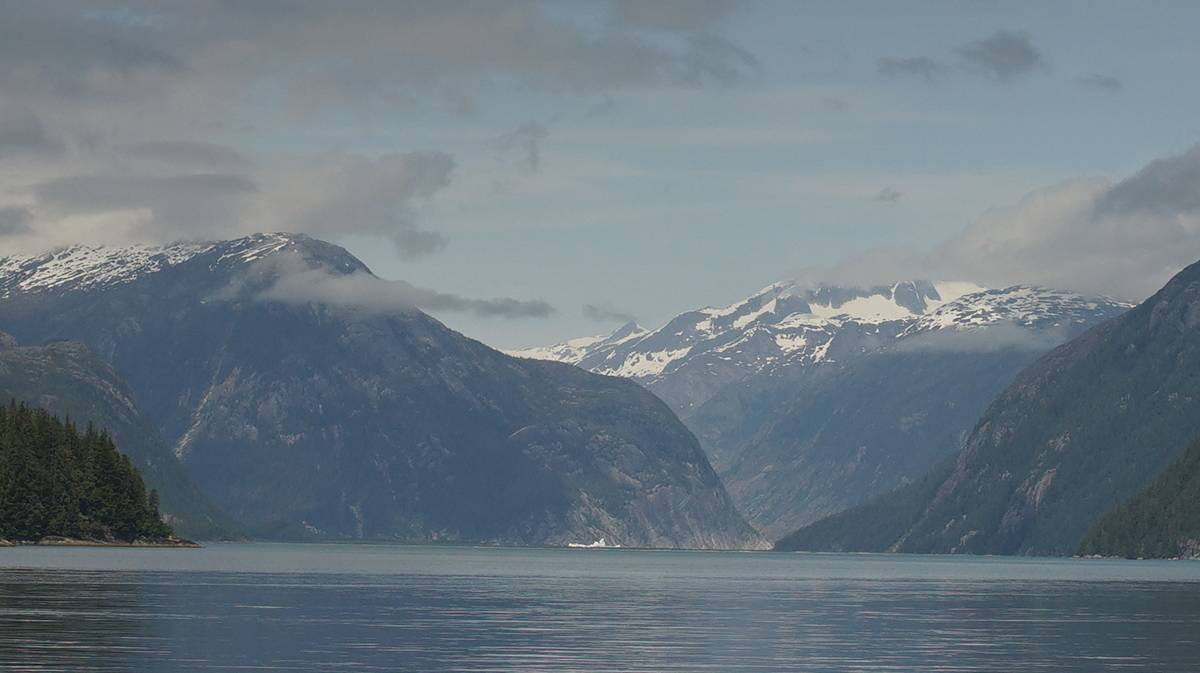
(1162, 521)
(58, 481)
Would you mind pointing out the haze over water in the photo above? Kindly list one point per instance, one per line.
(432, 609)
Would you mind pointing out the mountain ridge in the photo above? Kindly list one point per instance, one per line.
(311, 419)
(1088, 425)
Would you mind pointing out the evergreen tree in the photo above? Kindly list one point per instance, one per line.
(56, 481)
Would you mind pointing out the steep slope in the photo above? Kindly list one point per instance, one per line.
(1079, 431)
(66, 379)
(310, 419)
(1163, 521)
(793, 450)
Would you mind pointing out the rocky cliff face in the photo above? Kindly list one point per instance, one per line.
(1080, 430)
(68, 380)
(310, 417)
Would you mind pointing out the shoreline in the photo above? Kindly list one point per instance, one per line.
(55, 541)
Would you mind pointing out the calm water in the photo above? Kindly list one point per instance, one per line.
(431, 609)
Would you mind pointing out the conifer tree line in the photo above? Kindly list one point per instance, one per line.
(58, 481)
(1162, 521)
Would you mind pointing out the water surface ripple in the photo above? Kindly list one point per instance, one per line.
(434, 609)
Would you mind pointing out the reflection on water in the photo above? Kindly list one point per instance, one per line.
(358, 608)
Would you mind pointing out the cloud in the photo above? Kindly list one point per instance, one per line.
(1105, 83)
(172, 207)
(335, 194)
(672, 15)
(1002, 56)
(985, 339)
(14, 220)
(888, 195)
(922, 67)
(186, 153)
(119, 119)
(362, 291)
(607, 314)
(1123, 239)
(874, 267)
(24, 134)
(713, 59)
(326, 196)
(836, 103)
(526, 140)
(78, 50)
(1088, 234)
(1167, 187)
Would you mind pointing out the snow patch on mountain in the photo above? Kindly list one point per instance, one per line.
(82, 267)
(787, 325)
(1025, 306)
(574, 350)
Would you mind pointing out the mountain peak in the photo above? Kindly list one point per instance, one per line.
(87, 267)
(789, 323)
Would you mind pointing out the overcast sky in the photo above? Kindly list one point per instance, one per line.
(585, 163)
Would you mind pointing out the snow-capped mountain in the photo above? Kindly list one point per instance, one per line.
(87, 268)
(811, 400)
(782, 321)
(786, 325)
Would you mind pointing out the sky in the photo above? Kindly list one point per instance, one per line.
(533, 171)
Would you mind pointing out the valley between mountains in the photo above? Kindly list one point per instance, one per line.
(918, 416)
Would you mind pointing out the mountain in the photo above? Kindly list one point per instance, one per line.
(795, 448)
(306, 401)
(1162, 521)
(1079, 431)
(68, 380)
(687, 360)
(817, 400)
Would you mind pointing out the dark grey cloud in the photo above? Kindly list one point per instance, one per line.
(365, 292)
(142, 101)
(1165, 187)
(15, 221)
(888, 195)
(1002, 55)
(313, 49)
(24, 134)
(607, 313)
(526, 140)
(80, 49)
(1105, 83)
(922, 67)
(184, 152)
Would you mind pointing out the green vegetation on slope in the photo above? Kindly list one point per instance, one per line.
(1078, 432)
(57, 481)
(68, 380)
(1162, 521)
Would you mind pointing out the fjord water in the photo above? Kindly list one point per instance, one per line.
(432, 609)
